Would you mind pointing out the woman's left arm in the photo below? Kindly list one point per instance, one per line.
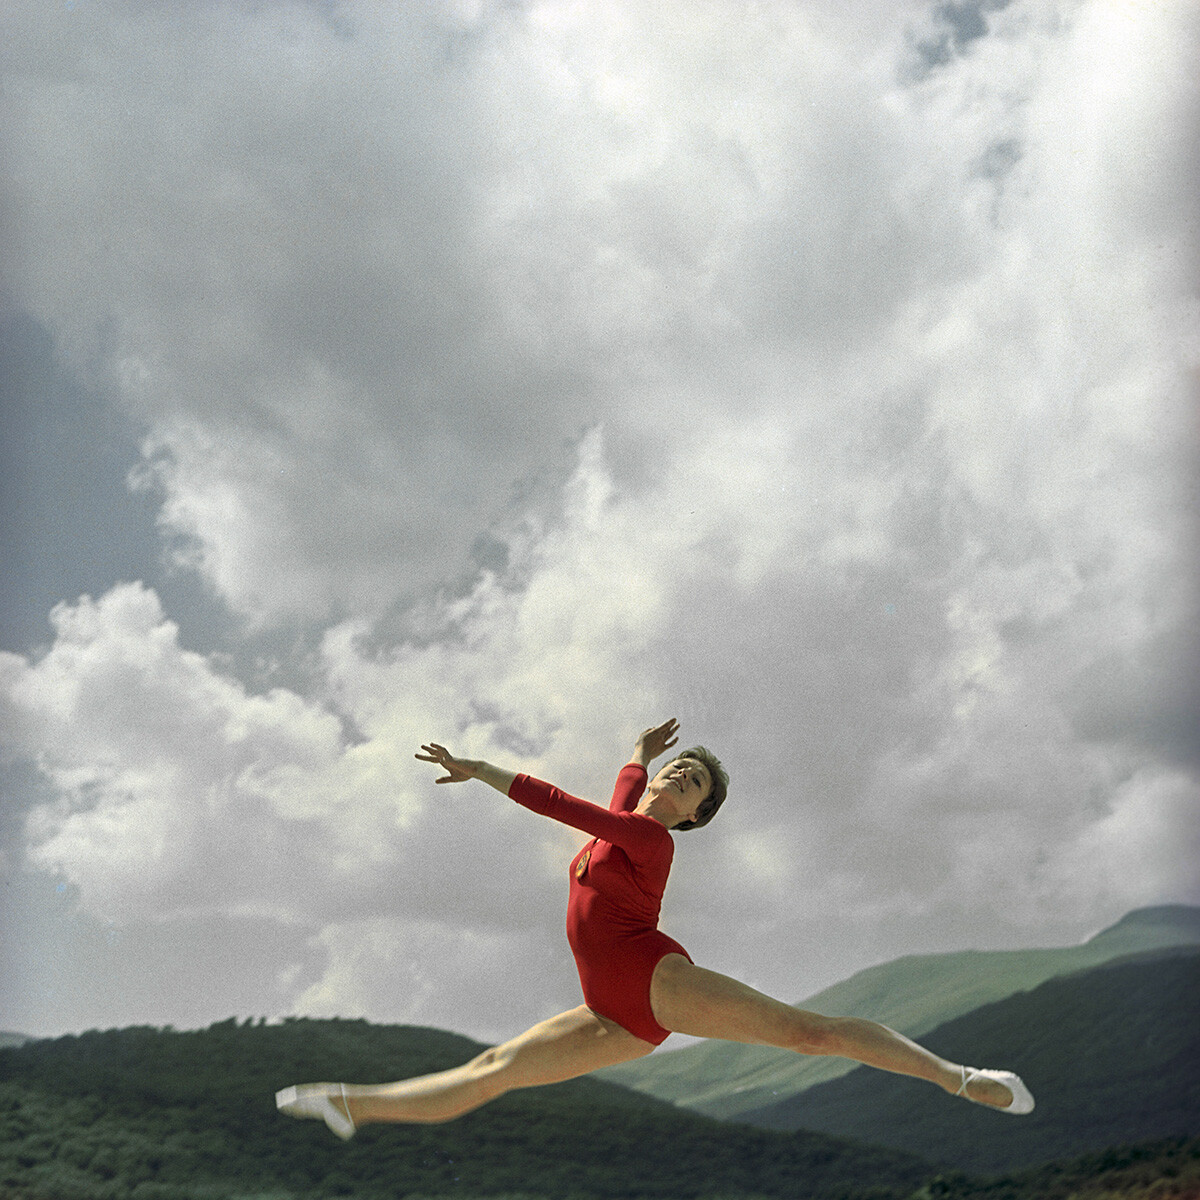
(459, 770)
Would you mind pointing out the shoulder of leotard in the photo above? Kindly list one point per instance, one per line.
(645, 820)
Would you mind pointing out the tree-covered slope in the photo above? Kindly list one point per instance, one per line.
(1167, 1169)
(145, 1114)
(1112, 1055)
(914, 994)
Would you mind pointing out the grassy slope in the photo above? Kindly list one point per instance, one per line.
(913, 994)
(1112, 1055)
(144, 1114)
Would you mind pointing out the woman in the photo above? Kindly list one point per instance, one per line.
(638, 984)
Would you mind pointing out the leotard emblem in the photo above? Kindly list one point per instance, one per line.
(581, 865)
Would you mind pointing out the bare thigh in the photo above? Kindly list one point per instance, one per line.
(701, 1003)
(563, 1047)
(571, 1044)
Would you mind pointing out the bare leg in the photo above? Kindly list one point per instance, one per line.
(563, 1047)
(692, 1000)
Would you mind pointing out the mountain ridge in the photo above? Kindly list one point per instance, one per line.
(913, 994)
(1110, 1054)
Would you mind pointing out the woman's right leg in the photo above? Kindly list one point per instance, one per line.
(563, 1047)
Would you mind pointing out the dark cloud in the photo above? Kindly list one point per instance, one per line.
(953, 27)
(1147, 696)
(999, 158)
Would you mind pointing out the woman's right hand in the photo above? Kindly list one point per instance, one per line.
(458, 770)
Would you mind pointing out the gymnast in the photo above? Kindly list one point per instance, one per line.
(639, 985)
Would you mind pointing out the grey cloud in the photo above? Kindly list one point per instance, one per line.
(1148, 696)
(955, 25)
(289, 260)
(367, 287)
(999, 158)
(803, 687)
(65, 969)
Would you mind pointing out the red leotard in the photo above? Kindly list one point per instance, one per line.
(617, 884)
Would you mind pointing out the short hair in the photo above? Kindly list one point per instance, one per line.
(716, 794)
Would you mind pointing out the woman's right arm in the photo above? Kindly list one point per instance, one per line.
(630, 833)
(639, 837)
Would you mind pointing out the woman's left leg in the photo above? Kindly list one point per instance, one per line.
(702, 1003)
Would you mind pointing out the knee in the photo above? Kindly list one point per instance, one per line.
(491, 1064)
(484, 1078)
(487, 1059)
(814, 1034)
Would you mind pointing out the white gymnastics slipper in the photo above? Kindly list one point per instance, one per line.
(317, 1100)
(1022, 1098)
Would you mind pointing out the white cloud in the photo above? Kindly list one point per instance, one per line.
(159, 763)
(840, 413)
(359, 290)
(418, 970)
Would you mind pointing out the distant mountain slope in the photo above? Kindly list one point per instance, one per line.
(913, 994)
(1112, 1055)
(12, 1039)
(146, 1114)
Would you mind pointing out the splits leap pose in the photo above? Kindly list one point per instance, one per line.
(638, 984)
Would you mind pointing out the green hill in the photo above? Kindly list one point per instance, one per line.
(1112, 1055)
(1161, 1170)
(148, 1114)
(913, 994)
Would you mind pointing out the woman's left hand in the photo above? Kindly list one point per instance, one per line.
(458, 770)
(655, 741)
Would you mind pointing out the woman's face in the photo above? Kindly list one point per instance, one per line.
(686, 780)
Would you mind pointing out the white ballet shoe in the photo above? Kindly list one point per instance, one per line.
(316, 1100)
(1022, 1098)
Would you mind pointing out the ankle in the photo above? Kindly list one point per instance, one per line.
(953, 1078)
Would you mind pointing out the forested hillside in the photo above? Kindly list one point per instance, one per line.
(1162, 1170)
(146, 1114)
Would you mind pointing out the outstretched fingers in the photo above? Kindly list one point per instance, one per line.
(456, 772)
(657, 739)
(433, 753)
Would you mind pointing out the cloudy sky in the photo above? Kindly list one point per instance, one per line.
(521, 374)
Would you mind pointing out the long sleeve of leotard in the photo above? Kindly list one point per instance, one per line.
(636, 834)
(627, 791)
